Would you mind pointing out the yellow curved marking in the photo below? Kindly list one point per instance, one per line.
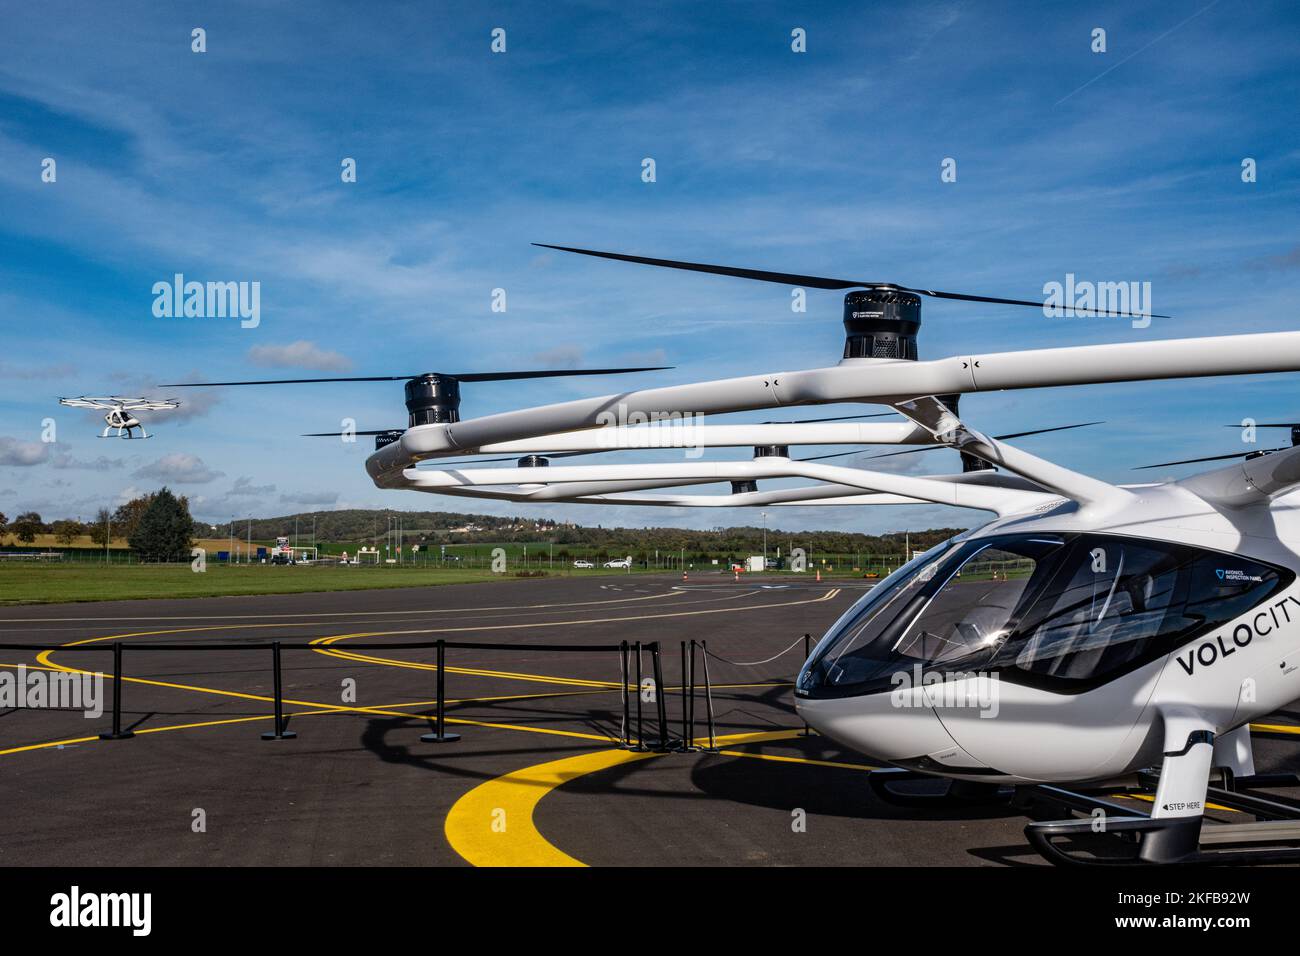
(334, 652)
(513, 797)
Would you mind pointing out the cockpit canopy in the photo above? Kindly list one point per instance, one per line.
(1065, 612)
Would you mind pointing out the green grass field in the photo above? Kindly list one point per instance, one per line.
(47, 584)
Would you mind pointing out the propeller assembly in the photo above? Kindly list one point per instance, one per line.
(881, 319)
(432, 398)
(1293, 427)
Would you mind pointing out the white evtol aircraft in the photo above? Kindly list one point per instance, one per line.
(119, 412)
(1100, 630)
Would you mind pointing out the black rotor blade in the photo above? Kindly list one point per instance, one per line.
(459, 376)
(913, 451)
(293, 381)
(1268, 425)
(380, 431)
(550, 373)
(784, 278)
(817, 282)
(962, 297)
(1044, 431)
(1194, 461)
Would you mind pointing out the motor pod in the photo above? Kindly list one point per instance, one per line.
(881, 323)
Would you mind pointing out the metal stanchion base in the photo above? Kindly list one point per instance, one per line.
(439, 738)
(286, 735)
(661, 746)
(124, 735)
(708, 750)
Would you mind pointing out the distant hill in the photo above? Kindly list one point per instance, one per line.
(449, 527)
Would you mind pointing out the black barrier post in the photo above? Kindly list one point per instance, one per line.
(280, 732)
(712, 748)
(807, 640)
(692, 697)
(686, 743)
(626, 742)
(640, 724)
(662, 745)
(440, 735)
(117, 732)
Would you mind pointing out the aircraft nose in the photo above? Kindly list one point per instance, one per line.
(885, 726)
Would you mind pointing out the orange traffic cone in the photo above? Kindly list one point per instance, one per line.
(737, 577)
(819, 574)
(684, 576)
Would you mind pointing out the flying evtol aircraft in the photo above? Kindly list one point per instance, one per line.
(120, 412)
(1090, 637)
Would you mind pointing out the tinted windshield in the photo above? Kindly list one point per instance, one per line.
(1060, 611)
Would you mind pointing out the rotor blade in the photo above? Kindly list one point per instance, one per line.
(840, 418)
(461, 377)
(784, 278)
(1193, 461)
(1268, 425)
(962, 297)
(1044, 431)
(841, 454)
(817, 282)
(293, 381)
(551, 373)
(380, 431)
(913, 451)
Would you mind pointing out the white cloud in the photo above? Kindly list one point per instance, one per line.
(179, 468)
(22, 454)
(299, 354)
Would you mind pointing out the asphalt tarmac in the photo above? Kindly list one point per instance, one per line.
(537, 776)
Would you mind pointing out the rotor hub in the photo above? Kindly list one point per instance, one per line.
(771, 451)
(533, 461)
(433, 400)
(881, 323)
(744, 487)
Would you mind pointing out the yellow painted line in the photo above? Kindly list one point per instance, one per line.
(1150, 799)
(1276, 728)
(386, 661)
(492, 824)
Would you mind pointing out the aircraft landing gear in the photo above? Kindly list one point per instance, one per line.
(1177, 830)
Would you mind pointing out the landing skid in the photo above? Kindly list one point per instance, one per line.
(1085, 828)
(1111, 834)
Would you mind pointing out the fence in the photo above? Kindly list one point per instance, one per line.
(663, 740)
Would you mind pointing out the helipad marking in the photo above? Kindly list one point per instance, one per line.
(513, 797)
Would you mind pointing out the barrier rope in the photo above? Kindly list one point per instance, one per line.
(797, 642)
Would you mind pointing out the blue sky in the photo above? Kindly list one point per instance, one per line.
(225, 166)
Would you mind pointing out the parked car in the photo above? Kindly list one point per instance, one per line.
(583, 564)
(625, 563)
